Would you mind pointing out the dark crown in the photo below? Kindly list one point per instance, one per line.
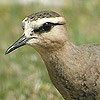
(43, 14)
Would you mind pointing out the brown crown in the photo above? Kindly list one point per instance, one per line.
(42, 14)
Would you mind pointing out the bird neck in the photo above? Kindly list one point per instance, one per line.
(58, 64)
(62, 52)
(59, 56)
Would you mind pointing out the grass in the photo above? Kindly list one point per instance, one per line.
(23, 75)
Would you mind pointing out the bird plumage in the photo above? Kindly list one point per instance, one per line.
(74, 70)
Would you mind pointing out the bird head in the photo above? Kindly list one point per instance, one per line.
(42, 30)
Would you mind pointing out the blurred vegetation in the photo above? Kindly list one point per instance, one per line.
(23, 75)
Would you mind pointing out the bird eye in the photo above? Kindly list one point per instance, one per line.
(44, 28)
(47, 26)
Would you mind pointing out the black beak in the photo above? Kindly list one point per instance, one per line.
(20, 42)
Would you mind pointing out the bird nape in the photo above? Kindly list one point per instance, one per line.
(74, 70)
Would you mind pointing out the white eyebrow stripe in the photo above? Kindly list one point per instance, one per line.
(40, 22)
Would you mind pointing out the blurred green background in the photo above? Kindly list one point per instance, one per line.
(23, 75)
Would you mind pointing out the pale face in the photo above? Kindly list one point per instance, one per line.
(44, 32)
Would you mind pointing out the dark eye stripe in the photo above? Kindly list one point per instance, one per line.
(45, 27)
(40, 29)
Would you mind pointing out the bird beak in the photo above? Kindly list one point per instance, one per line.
(20, 42)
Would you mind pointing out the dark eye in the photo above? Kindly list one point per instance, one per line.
(44, 28)
(47, 26)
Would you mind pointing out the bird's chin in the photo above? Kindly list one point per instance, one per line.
(32, 42)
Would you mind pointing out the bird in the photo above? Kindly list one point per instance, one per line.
(73, 70)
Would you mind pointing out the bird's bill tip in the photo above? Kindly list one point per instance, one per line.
(20, 42)
(11, 48)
